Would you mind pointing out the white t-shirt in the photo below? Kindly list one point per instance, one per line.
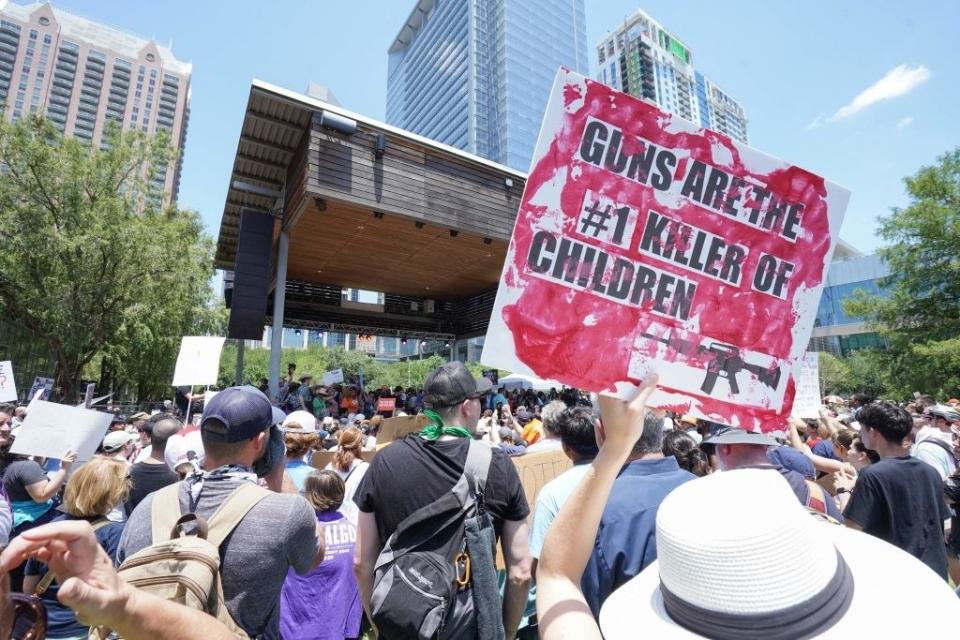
(933, 454)
(352, 480)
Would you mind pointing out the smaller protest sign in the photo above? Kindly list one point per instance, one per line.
(198, 361)
(386, 404)
(88, 395)
(806, 404)
(395, 428)
(43, 384)
(493, 375)
(51, 429)
(333, 377)
(8, 389)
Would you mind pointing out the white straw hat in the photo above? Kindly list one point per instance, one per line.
(739, 557)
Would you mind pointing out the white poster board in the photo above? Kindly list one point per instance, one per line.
(8, 388)
(333, 377)
(199, 361)
(51, 429)
(807, 401)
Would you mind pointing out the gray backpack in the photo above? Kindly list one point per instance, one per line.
(436, 575)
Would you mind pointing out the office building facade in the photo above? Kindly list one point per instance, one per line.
(645, 60)
(81, 75)
(476, 74)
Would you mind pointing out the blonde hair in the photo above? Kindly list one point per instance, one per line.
(97, 487)
(351, 444)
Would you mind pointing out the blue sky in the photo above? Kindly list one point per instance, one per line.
(804, 72)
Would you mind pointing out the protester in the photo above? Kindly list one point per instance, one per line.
(184, 452)
(531, 426)
(507, 444)
(31, 492)
(898, 499)
(298, 440)
(91, 587)
(91, 494)
(348, 464)
(551, 440)
(325, 603)
(934, 442)
(684, 448)
(305, 393)
(279, 531)
(118, 445)
(625, 542)
(419, 470)
(737, 586)
(152, 473)
(577, 429)
(741, 449)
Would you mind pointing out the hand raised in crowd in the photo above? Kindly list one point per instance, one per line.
(561, 608)
(90, 585)
(68, 459)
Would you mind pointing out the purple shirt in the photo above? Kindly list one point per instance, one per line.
(325, 603)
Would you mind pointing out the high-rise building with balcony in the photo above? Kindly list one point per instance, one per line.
(476, 74)
(645, 60)
(82, 74)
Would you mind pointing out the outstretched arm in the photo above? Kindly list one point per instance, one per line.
(561, 608)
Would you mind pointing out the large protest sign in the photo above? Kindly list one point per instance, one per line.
(51, 429)
(8, 388)
(644, 243)
(198, 361)
(807, 401)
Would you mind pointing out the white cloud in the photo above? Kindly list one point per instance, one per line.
(904, 123)
(897, 82)
(816, 123)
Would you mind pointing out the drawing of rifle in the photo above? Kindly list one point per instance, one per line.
(725, 361)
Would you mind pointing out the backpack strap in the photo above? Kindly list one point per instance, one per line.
(229, 514)
(49, 576)
(165, 512)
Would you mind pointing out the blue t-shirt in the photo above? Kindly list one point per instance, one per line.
(824, 448)
(298, 471)
(626, 539)
(62, 621)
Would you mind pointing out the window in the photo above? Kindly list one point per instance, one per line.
(150, 58)
(44, 20)
(33, 34)
(47, 39)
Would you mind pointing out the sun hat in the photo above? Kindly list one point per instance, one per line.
(764, 568)
(185, 447)
(689, 418)
(451, 384)
(735, 435)
(307, 422)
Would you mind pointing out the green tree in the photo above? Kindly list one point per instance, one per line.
(93, 264)
(834, 374)
(868, 372)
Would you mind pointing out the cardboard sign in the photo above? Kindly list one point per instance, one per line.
(333, 377)
(386, 404)
(807, 402)
(88, 395)
(660, 246)
(8, 388)
(321, 459)
(51, 429)
(198, 362)
(393, 428)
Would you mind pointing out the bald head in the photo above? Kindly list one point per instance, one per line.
(161, 427)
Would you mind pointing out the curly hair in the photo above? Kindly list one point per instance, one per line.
(350, 445)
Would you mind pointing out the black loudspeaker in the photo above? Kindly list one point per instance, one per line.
(251, 276)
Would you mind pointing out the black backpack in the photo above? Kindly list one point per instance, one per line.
(437, 569)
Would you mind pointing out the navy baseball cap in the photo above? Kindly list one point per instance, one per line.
(243, 411)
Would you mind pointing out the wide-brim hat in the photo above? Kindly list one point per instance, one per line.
(735, 435)
(749, 569)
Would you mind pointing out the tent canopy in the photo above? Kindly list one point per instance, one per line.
(520, 381)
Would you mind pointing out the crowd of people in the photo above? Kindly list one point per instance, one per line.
(276, 519)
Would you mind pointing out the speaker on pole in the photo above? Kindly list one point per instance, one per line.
(251, 276)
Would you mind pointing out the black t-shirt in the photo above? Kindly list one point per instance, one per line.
(18, 476)
(147, 478)
(183, 402)
(900, 500)
(411, 473)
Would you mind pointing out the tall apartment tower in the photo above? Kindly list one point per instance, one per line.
(82, 74)
(645, 60)
(476, 74)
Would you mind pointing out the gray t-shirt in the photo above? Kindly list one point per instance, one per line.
(279, 532)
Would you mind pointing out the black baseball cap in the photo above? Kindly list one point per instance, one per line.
(451, 384)
(244, 411)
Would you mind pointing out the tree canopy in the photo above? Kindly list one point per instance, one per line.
(95, 264)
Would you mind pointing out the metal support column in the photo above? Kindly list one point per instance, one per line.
(279, 295)
(238, 379)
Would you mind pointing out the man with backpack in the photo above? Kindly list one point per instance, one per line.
(253, 535)
(431, 508)
(934, 442)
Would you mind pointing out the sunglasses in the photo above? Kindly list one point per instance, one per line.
(29, 617)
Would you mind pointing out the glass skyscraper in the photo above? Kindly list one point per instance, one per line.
(645, 60)
(476, 74)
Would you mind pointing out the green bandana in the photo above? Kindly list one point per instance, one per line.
(435, 430)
